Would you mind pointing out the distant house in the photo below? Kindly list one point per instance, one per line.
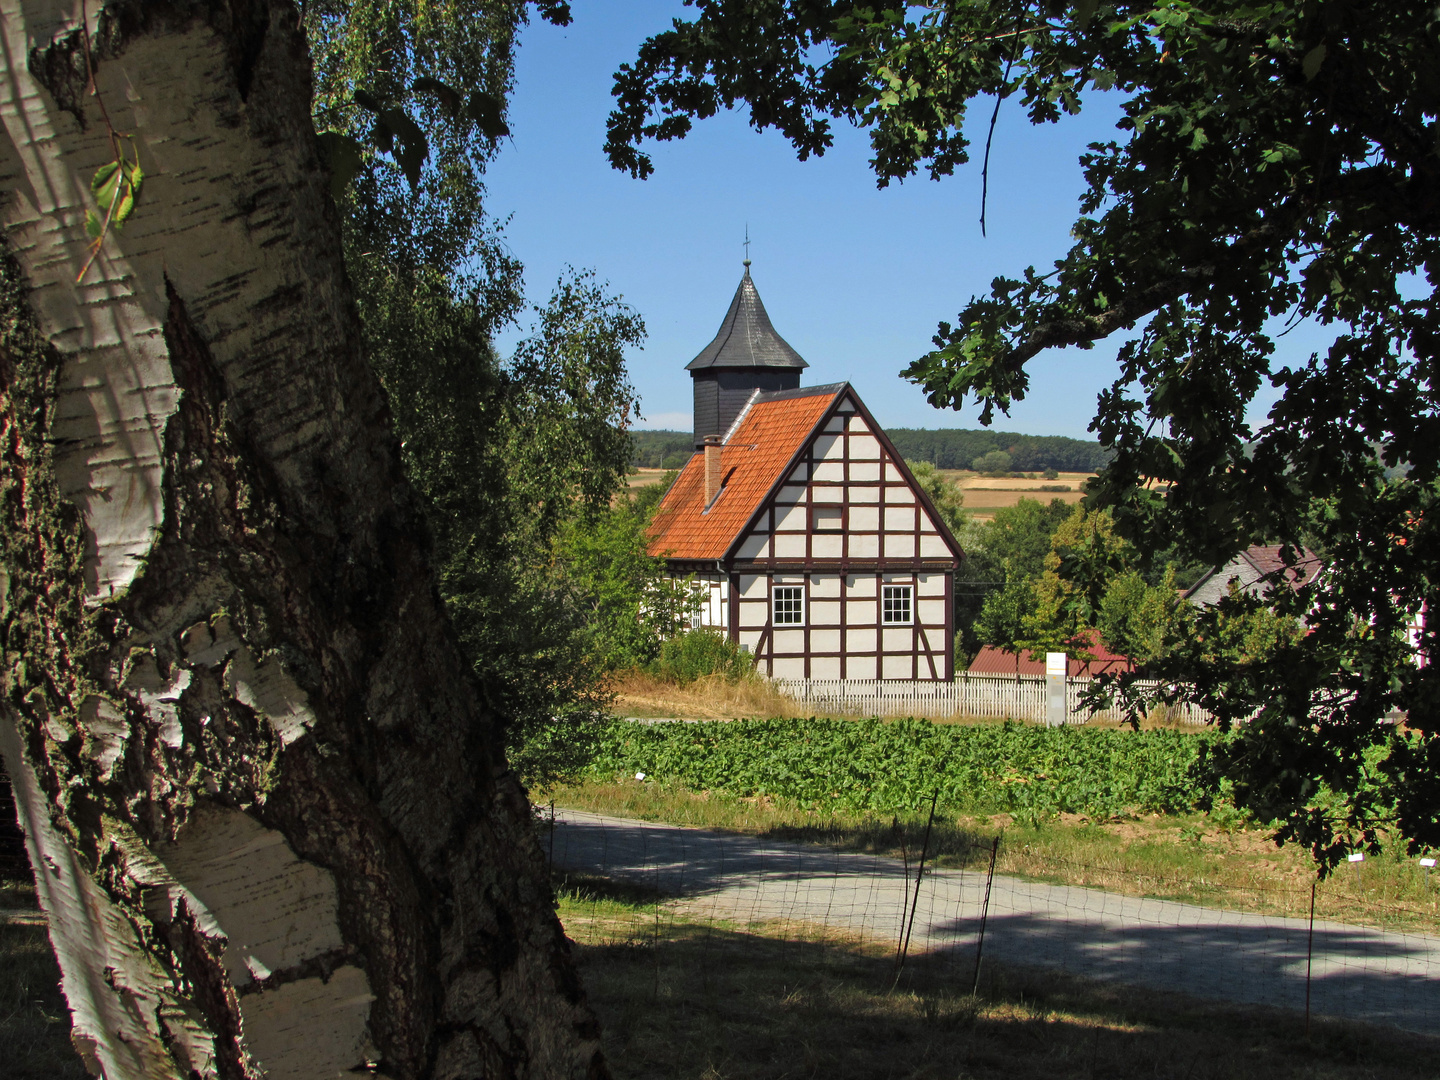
(1257, 569)
(992, 661)
(813, 545)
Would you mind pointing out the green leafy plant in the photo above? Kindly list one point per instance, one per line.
(890, 767)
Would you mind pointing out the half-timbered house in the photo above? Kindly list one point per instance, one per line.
(812, 544)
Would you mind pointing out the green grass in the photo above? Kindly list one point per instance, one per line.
(681, 999)
(1215, 860)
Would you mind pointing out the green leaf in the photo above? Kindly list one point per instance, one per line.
(133, 176)
(93, 226)
(449, 97)
(343, 156)
(367, 101)
(484, 109)
(1084, 12)
(116, 185)
(104, 184)
(409, 145)
(1310, 66)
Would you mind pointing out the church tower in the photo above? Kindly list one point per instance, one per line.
(746, 355)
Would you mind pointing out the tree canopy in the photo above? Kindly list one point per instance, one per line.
(1275, 162)
(410, 101)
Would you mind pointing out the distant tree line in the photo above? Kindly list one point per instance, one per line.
(958, 448)
(946, 448)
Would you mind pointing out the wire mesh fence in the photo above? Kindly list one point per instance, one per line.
(967, 919)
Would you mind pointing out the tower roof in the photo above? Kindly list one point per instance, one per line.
(746, 339)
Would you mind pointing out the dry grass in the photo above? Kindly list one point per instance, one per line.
(680, 999)
(711, 698)
(644, 478)
(1196, 858)
(986, 494)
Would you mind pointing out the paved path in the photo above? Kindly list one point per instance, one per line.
(1359, 973)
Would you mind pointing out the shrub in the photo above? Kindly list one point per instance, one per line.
(697, 653)
(1050, 474)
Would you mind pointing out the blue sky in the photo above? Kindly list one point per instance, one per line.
(853, 277)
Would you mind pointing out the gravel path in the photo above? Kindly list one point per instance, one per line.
(1358, 973)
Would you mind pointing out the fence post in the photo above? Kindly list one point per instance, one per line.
(915, 900)
(1310, 955)
(1057, 666)
(984, 915)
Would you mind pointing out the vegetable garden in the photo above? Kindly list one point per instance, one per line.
(874, 766)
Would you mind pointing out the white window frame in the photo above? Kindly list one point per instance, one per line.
(891, 594)
(775, 600)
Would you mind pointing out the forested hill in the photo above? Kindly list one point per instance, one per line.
(947, 448)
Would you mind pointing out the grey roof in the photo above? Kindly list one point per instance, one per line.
(746, 338)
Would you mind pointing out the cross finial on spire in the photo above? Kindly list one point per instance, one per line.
(747, 248)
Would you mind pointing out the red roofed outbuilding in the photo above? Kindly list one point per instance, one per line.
(992, 661)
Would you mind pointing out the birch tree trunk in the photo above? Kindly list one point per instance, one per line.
(272, 829)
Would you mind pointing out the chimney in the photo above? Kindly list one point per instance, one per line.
(712, 468)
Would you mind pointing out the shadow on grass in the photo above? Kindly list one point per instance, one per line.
(947, 844)
(710, 1001)
(34, 1019)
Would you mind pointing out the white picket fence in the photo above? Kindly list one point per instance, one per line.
(968, 695)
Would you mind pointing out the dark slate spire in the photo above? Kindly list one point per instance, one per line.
(746, 338)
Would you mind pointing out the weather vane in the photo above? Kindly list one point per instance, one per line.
(747, 243)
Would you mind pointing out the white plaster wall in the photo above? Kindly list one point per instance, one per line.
(788, 668)
(864, 447)
(899, 546)
(864, 518)
(933, 547)
(865, 547)
(791, 546)
(789, 641)
(900, 518)
(860, 639)
(755, 546)
(900, 667)
(896, 639)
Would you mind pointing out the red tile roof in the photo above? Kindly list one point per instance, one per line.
(764, 440)
(1266, 560)
(993, 661)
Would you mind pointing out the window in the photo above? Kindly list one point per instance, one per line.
(895, 605)
(826, 517)
(788, 603)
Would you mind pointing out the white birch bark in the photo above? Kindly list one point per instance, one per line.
(273, 832)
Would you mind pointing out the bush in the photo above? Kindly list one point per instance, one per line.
(697, 653)
(1050, 474)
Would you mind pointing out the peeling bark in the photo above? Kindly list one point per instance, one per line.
(272, 826)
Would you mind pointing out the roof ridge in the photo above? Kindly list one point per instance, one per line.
(735, 424)
(798, 392)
